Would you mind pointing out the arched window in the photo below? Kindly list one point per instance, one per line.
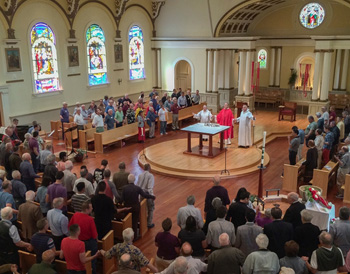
(136, 54)
(96, 55)
(262, 57)
(44, 58)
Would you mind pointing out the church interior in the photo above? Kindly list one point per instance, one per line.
(263, 53)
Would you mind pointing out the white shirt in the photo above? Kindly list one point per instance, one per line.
(79, 119)
(325, 116)
(195, 266)
(162, 114)
(146, 182)
(89, 190)
(319, 141)
(98, 121)
(186, 211)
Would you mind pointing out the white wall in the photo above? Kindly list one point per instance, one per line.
(43, 108)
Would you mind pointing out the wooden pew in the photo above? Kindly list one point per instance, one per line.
(291, 176)
(346, 188)
(57, 127)
(321, 177)
(106, 244)
(28, 259)
(118, 227)
(143, 217)
(85, 137)
(114, 135)
(151, 261)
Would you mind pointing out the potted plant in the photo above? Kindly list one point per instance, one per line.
(292, 78)
(79, 156)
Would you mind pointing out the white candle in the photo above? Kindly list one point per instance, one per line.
(263, 149)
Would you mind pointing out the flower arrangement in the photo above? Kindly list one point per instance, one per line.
(314, 195)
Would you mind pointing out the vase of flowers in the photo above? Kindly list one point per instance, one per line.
(313, 195)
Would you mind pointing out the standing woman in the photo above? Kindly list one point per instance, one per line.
(141, 126)
(163, 118)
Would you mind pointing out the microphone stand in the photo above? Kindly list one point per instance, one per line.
(225, 170)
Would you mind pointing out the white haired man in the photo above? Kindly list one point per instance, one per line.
(137, 257)
(29, 213)
(27, 172)
(69, 178)
(263, 260)
(227, 259)
(188, 210)
(10, 239)
(292, 214)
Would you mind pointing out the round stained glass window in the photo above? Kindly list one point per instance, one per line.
(312, 15)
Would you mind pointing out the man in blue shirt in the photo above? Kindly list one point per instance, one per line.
(328, 142)
(302, 138)
(110, 106)
(6, 199)
(109, 120)
(64, 116)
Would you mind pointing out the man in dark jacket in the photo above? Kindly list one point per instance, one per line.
(311, 161)
(237, 210)
(292, 214)
(279, 232)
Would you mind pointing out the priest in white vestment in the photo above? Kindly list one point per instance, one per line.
(204, 116)
(245, 129)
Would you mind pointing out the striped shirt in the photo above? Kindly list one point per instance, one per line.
(78, 200)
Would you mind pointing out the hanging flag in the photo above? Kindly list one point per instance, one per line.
(252, 80)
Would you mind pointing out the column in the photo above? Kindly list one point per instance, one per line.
(272, 67)
(5, 108)
(317, 74)
(241, 73)
(344, 75)
(154, 67)
(337, 70)
(228, 68)
(221, 69)
(159, 70)
(209, 70)
(215, 71)
(248, 74)
(278, 67)
(326, 76)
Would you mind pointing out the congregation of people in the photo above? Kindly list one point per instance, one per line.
(232, 237)
(327, 139)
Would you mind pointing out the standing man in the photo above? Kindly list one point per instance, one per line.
(175, 111)
(120, 178)
(294, 142)
(336, 134)
(130, 196)
(73, 250)
(88, 232)
(188, 98)
(328, 143)
(301, 135)
(344, 168)
(196, 98)
(34, 151)
(97, 122)
(146, 182)
(27, 172)
(204, 116)
(79, 119)
(225, 118)
(181, 101)
(292, 214)
(64, 116)
(216, 191)
(109, 119)
(310, 131)
(245, 128)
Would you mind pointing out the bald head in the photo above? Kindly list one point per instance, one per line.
(26, 157)
(186, 249)
(125, 260)
(326, 239)
(216, 180)
(224, 239)
(48, 256)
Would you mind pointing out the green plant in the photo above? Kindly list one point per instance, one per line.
(293, 77)
(81, 151)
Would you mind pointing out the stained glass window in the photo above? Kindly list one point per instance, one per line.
(96, 55)
(44, 58)
(262, 56)
(312, 15)
(136, 54)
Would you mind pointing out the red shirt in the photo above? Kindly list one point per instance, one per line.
(71, 249)
(87, 226)
(333, 115)
(175, 108)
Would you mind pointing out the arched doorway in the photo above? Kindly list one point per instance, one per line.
(183, 75)
(301, 63)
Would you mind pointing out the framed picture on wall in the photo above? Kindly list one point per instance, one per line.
(118, 53)
(73, 56)
(13, 59)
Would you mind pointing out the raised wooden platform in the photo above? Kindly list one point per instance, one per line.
(167, 158)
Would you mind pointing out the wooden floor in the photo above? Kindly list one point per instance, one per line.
(171, 192)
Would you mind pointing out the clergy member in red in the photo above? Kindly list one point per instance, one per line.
(225, 118)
